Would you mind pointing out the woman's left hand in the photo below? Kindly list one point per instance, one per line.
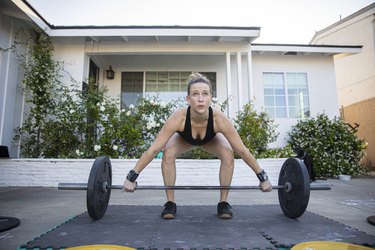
(265, 186)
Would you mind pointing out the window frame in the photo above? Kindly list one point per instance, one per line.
(286, 95)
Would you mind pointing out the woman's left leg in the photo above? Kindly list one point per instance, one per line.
(220, 147)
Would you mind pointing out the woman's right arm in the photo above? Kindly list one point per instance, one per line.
(171, 126)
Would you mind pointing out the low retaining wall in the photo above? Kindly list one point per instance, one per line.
(49, 172)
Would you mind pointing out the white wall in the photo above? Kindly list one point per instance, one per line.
(71, 51)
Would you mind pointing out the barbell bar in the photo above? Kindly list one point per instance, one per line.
(293, 187)
(287, 187)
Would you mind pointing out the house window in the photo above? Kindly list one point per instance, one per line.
(167, 85)
(131, 88)
(286, 95)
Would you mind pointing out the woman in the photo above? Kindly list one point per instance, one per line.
(197, 125)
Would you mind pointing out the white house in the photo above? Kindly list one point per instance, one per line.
(291, 81)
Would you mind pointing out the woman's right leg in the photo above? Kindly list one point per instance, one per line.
(175, 147)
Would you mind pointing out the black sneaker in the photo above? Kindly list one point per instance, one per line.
(223, 210)
(169, 211)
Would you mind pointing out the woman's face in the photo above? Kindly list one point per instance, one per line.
(199, 97)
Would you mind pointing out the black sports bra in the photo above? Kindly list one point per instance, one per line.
(210, 133)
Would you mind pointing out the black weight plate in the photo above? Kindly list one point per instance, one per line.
(294, 202)
(97, 199)
(7, 223)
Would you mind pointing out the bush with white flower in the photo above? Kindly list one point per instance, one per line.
(256, 129)
(335, 148)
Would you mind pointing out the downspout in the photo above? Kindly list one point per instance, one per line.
(229, 82)
(240, 84)
(250, 74)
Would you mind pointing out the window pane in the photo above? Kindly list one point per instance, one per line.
(268, 91)
(131, 88)
(294, 112)
(278, 79)
(212, 77)
(280, 112)
(293, 100)
(274, 94)
(280, 101)
(301, 79)
(269, 101)
(267, 80)
(298, 96)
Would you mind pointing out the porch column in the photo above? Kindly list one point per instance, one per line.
(239, 77)
(229, 82)
(250, 74)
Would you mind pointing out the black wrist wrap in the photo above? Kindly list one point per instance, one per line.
(132, 176)
(262, 176)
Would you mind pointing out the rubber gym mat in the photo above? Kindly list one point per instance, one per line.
(252, 227)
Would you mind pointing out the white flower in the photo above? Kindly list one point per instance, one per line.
(97, 147)
(102, 108)
(98, 104)
(115, 147)
(128, 113)
(152, 102)
(71, 111)
(122, 110)
(131, 106)
(163, 104)
(78, 152)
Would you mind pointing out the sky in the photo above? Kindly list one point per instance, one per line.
(280, 21)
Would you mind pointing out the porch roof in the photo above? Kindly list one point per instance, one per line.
(143, 33)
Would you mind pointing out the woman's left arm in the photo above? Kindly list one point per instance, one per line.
(224, 125)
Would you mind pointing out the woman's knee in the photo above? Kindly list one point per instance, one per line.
(227, 157)
(169, 154)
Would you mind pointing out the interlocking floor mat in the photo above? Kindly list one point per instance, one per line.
(197, 227)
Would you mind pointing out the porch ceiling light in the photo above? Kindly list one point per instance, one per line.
(110, 73)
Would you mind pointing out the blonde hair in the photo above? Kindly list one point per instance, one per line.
(196, 77)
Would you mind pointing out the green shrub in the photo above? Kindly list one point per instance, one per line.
(282, 152)
(334, 147)
(256, 129)
(197, 153)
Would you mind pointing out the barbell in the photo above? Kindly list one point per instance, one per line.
(293, 187)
